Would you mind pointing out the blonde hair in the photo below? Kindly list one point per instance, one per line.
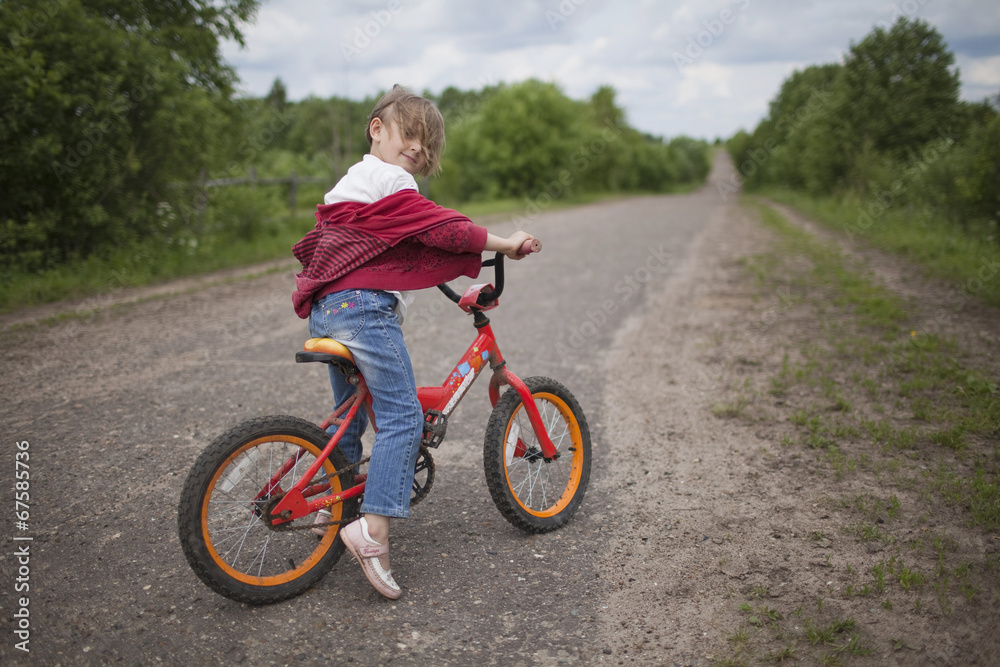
(418, 118)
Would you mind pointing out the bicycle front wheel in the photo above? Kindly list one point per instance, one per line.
(533, 494)
(221, 517)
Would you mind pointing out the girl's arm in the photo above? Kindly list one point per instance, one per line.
(508, 246)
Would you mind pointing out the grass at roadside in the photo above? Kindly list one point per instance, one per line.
(968, 258)
(903, 425)
(138, 266)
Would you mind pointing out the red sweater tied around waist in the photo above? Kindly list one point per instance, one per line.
(400, 242)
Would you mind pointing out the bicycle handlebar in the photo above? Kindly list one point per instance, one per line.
(528, 247)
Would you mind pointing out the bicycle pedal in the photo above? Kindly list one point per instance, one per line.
(435, 427)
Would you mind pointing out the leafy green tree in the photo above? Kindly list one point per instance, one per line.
(898, 88)
(278, 95)
(102, 105)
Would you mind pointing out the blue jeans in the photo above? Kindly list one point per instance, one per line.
(364, 321)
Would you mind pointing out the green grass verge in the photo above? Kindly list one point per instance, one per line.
(904, 370)
(903, 424)
(143, 264)
(970, 259)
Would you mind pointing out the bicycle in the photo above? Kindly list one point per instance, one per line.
(247, 512)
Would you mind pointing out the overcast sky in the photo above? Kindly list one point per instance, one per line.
(701, 68)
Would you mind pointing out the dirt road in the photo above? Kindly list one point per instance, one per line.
(682, 506)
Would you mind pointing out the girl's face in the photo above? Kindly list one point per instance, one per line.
(390, 146)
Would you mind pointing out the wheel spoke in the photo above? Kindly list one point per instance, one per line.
(245, 542)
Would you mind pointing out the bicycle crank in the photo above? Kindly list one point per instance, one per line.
(423, 476)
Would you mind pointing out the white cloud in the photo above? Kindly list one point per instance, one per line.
(983, 72)
(704, 81)
(583, 44)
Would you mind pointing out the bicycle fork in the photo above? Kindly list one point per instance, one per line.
(502, 376)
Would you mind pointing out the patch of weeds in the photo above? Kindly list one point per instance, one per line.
(894, 506)
(782, 656)
(941, 586)
(881, 432)
(731, 410)
(827, 634)
(731, 662)
(878, 571)
(909, 577)
(739, 638)
(868, 532)
(952, 437)
(968, 589)
(855, 647)
(921, 408)
(871, 387)
(800, 417)
(984, 497)
(780, 383)
(841, 464)
(765, 615)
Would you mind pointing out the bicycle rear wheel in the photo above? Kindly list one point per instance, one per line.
(225, 537)
(533, 494)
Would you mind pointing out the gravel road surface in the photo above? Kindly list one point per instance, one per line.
(621, 306)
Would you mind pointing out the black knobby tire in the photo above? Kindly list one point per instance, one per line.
(222, 530)
(531, 493)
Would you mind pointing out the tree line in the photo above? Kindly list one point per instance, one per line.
(886, 127)
(113, 111)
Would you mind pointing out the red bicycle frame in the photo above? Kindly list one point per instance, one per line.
(443, 399)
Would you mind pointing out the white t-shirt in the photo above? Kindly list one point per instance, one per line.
(367, 182)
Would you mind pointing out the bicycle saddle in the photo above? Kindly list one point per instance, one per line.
(327, 351)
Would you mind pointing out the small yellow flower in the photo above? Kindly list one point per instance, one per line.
(343, 305)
